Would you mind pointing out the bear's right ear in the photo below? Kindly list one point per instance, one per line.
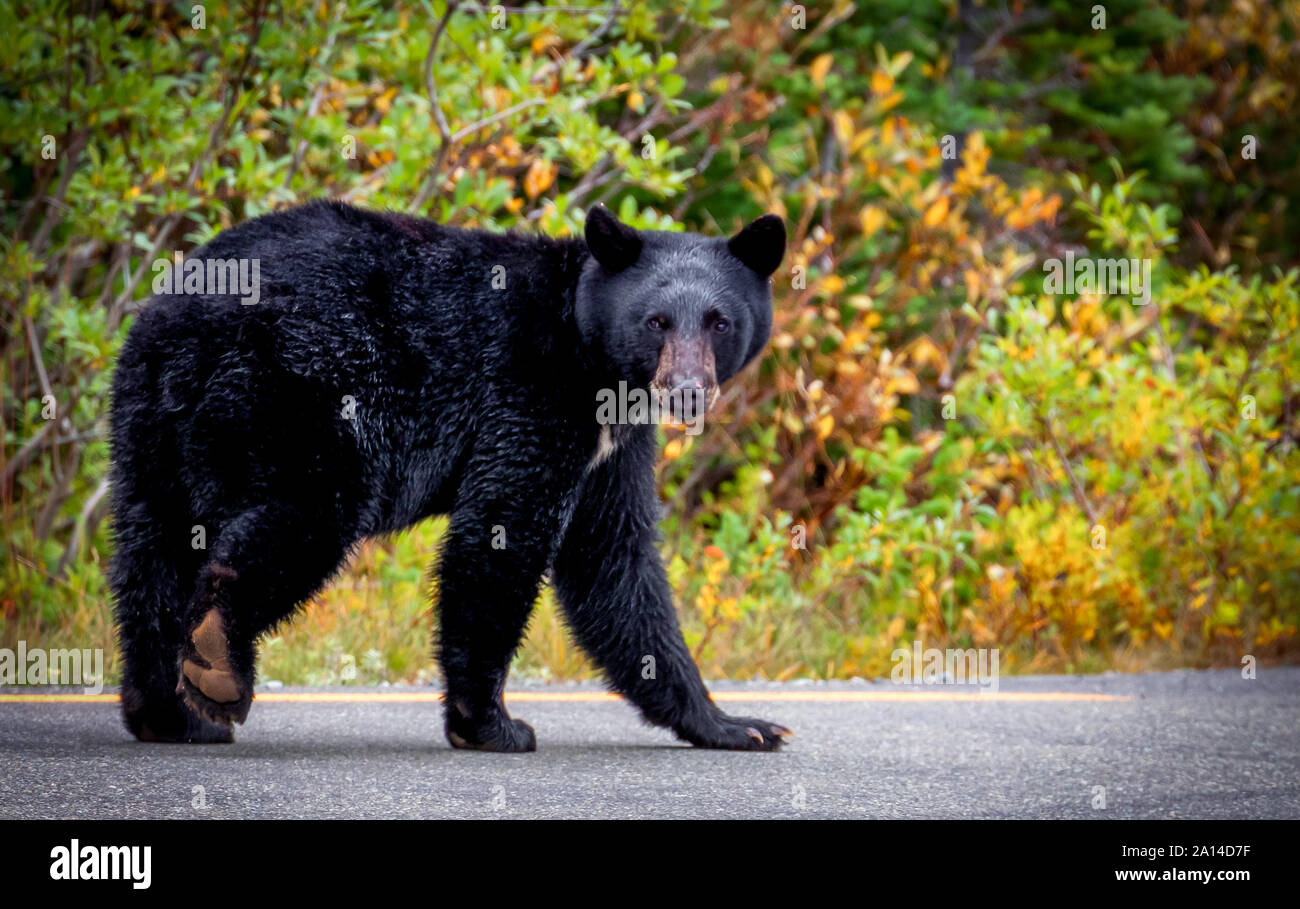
(612, 243)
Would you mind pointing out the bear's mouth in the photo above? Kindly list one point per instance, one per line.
(684, 406)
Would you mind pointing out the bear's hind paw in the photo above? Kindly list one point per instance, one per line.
(508, 736)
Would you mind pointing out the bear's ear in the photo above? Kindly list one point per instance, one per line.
(760, 245)
(613, 244)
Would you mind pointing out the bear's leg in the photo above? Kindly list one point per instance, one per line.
(488, 576)
(217, 654)
(262, 565)
(611, 582)
(152, 577)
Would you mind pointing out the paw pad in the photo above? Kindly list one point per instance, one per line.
(211, 672)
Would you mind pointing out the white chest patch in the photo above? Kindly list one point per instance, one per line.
(604, 448)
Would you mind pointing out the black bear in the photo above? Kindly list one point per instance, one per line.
(384, 369)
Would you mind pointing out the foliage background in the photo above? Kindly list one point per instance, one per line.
(947, 437)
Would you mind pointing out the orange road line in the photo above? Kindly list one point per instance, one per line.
(520, 697)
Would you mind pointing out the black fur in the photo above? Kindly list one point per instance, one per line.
(470, 400)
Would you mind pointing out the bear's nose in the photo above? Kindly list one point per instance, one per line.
(687, 383)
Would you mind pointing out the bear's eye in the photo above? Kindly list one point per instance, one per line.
(721, 326)
(656, 323)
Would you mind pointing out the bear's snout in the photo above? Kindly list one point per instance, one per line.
(687, 378)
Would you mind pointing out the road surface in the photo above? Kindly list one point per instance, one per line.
(1161, 745)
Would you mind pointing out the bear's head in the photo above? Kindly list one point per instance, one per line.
(677, 313)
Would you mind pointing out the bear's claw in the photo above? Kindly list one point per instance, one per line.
(738, 734)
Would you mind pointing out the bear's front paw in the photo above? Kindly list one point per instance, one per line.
(209, 683)
(497, 733)
(737, 733)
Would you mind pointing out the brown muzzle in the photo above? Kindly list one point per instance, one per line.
(686, 380)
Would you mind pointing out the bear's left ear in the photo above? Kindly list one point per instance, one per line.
(612, 243)
(760, 245)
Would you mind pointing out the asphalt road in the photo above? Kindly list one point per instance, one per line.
(1169, 745)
